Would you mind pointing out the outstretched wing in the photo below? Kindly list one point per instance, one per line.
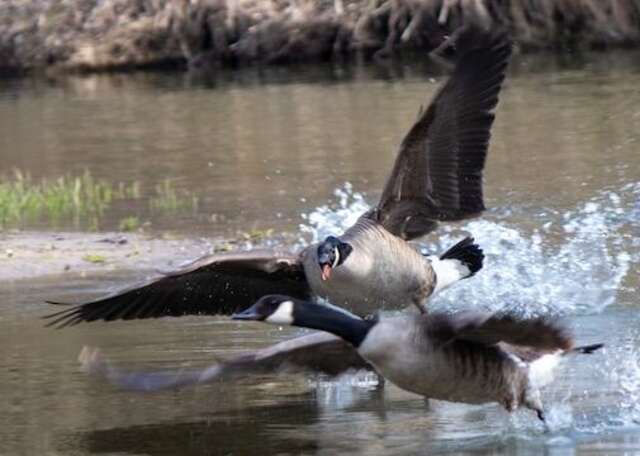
(539, 334)
(212, 285)
(317, 352)
(438, 171)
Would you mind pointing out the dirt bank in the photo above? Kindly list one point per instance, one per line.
(115, 34)
(25, 255)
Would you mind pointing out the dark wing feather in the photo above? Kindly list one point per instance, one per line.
(487, 329)
(212, 285)
(318, 352)
(438, 172)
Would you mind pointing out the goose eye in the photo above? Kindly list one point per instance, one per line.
(336, 253)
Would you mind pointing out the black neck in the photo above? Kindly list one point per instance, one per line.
(316, 316)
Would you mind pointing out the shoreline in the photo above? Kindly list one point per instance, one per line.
(205, 35)
(31, 255)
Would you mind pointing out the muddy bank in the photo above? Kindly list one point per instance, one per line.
(25, 255)
(117, 34)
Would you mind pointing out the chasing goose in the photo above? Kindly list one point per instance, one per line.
(473, 358)
(437, 176)
(467, 357)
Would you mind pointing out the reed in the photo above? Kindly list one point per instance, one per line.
(22, 200)
(82, 199)
(167, 198)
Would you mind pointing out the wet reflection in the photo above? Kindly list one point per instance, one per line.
(239, 431)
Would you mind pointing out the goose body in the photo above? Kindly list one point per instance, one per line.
(459, 371)
(437, 176)
(473, 358)
(382, 272)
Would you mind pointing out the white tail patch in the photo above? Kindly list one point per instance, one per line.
(283, 314)
(448, 272)
(541, 370)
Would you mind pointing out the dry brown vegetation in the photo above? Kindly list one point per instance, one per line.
(107, 34)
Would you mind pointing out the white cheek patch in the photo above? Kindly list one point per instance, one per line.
(337, 260)
(283, 314)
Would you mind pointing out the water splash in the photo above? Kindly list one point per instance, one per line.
(545, 261)
(541, 260)
(335, 217)
(624, 373)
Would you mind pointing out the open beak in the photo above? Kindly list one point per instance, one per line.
(248, 314)
(326, 272)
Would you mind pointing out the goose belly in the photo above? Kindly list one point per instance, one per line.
(438, 380)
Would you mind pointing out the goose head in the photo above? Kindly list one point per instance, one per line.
(275, 309)
(332, 252)
(285, 310)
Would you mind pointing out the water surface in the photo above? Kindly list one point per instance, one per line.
(273, 148)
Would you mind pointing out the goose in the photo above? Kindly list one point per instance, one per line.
(437, 176)
(469, 357)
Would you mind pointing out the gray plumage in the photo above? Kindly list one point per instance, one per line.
(437, 176)
(467, 357)
(382, 272)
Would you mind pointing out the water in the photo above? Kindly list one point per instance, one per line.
(303, 151)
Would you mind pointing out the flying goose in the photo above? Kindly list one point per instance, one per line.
(467, 357)
(437, 176)
(473, 358)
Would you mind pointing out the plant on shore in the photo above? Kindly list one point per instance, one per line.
(23, 200)
(167, 198)
(130, 223)
(82, 199)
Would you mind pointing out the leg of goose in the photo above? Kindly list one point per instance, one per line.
(419, 302)
(533, 402)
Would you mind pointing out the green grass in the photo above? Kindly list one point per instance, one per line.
(22, 200)
(131, 223)
(167, 198)
(94, 258)
(82, 199)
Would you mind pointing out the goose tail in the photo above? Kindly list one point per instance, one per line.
(461, 261)
(466, 252)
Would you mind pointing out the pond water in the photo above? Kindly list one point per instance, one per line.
(303, 150)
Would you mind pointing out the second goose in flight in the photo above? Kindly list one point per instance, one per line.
(473, 358)
(467, 357)
(437, 176)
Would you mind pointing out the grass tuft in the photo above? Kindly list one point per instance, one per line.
(167, 198)
(82, 199)
(94, 258)
(131, 223)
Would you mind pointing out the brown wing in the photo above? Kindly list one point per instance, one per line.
(487, 329)
(212, 285)
(316, 352)
(438, 172)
